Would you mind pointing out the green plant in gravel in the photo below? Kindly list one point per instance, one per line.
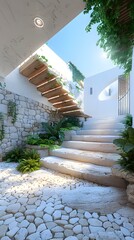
(14, 155)
(126, 146)
(19, 153)
(29, 165)
(12, 111)
(31, 154)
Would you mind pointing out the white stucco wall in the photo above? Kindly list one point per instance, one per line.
(19, 84)
(100, 84)
(132, 89)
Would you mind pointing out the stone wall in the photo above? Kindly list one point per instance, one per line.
(30, 114)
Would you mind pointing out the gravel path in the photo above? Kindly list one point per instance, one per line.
(31, 208)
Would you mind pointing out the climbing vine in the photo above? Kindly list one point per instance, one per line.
(12, 111)
(116, 36)
(2, 132)
(77, 75)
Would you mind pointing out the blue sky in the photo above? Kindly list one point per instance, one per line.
(74, 44)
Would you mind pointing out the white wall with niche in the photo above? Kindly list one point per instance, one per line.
(103, 102)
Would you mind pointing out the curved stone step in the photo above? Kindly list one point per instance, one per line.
(98, 158)
(94, 138)
(91, 146)
(99, 132)
(90, 172)
(103, 125)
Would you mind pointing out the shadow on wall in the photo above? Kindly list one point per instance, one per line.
(101, 94)
(109, 92)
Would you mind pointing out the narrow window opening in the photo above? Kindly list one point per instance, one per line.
(91, 91)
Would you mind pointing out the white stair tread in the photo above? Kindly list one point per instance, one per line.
(103, 125)
(105, 159)
(73, 165)
(91, 146)
(99, 132)
(94, 138)
(90, 172)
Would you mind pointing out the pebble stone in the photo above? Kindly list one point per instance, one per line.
(31, 209)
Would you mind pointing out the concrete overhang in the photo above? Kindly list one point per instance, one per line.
(19, 37)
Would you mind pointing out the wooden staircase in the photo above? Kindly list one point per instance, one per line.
(48, 83)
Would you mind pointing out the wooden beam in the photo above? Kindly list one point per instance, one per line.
(60, 98)
(37, 72)
(34, 63)
(76, 114)
(54, 92)
(43, 77)
(64, 104)
(48, 86)
(70, 108)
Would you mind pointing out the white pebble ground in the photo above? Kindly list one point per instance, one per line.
(31, 208)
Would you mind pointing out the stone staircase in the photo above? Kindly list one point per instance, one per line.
(90, 153)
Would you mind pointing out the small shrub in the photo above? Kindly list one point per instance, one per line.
(31, 154)
(126, 147)
(33, 140)
(71, 122)
(36, 140)
(128, 121)
(29, 165)
(14, 155)
(17, 154)
(54, 132)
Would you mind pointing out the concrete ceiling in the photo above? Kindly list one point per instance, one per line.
(19, 37)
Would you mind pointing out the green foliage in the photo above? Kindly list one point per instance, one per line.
(15, 155)
(77, 75)
(42, 142)
(126, 147)
(34, 140)
(128, 121)
(19, 153)
(2, 132)
(54, 132)
(116, 38)
(50, 146)
(12, 111)
(31, 154)
(29, 165)
(70, 122)
(43, 58)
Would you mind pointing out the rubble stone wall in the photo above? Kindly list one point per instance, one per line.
(30, 114)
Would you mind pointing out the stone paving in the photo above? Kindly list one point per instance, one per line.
(31, 208)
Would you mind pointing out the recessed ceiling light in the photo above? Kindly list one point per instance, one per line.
(38, 22)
